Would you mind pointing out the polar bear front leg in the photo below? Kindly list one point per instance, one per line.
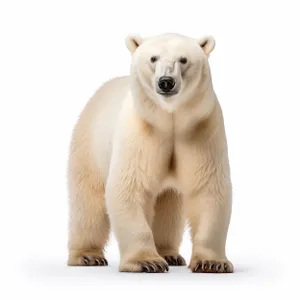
(205, 175)
(135, 174)
(168, 226)
(209, 215)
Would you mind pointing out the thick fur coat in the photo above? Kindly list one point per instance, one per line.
(149, 152)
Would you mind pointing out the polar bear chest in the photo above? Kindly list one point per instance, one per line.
(170, 182)
(171, 179)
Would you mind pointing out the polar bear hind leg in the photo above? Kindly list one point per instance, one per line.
(88, 224)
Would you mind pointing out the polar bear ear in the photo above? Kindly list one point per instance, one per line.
(207, 43)
(133, 42)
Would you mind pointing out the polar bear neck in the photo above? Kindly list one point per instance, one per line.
(187, 115)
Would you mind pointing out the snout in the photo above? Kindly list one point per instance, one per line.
(166, 85)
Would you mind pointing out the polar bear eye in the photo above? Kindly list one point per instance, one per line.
(183, 60)
(153, 59)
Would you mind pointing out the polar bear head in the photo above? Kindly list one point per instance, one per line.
(169, 69)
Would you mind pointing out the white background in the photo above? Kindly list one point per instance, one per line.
(55, 54)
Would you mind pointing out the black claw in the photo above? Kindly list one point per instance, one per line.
(97, 261)
(218, 267)
(200, 265)
(145, 268)
(179, 261)
(197, 267)
(86, 260)
(211, 266)
(205, 266)
(225, 267)
(167, 267)
(174, 261)
(170, 260)
(161, 267)
(153, 267)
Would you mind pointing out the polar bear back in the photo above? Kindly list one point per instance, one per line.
(94, 130)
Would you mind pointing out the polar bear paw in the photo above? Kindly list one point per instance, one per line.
(154, 267)
(212, 266)
(86, 259)
(145, 265)
(175, 260)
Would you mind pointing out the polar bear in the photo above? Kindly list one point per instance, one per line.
(147, 154)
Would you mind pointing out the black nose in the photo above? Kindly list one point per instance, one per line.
(166, 83)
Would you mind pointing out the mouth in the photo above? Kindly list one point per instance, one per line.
(167, 94)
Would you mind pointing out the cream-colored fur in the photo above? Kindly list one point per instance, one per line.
(142, 164)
